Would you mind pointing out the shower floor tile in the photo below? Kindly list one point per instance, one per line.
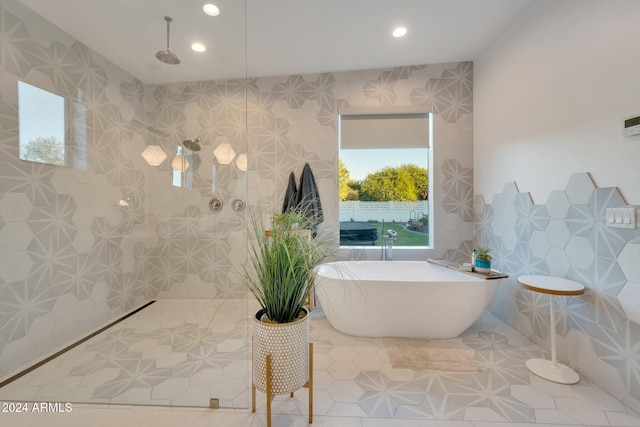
(173, 352)
(181, 353)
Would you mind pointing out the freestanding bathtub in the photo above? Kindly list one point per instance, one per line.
(414, 299)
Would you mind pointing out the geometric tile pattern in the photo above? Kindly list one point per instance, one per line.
(353, 378)
(110, 232)
(354, 382)
(173, 352)
(567, 237)
(69, 255)
(293, 120)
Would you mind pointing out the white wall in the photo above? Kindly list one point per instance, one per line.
(549, 99)
(550, 96)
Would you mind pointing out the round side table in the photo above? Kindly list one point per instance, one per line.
(554, 286)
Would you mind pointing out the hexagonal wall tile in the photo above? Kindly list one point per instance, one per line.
(579, 188)
(603, 198)
(558, 262)
(510, 216)
(15, 266)
(557, 204)
(478, 204)
(579, 252)
(100, 185)
(558, 233)
(83, 217)
(15, 236)
(62, 181)
(579, 220)
(83, 241)
(605, 241)
(539, 244)
(629, 296)
(510, 192)
(509, 239)
(15, 207)
(629, 262)
(497, 225)
(609, 278)
(498, 204)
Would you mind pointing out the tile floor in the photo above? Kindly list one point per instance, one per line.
(355, 385)
(172, 353)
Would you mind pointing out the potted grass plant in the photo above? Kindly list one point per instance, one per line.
(280, 275)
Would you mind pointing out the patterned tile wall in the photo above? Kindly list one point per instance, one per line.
(567, 237)
(290, 121)
(293, 120)
(197, 251)
(71, 258)
(68, 252)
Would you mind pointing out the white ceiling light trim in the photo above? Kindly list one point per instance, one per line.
(211, 9)
(399, 32)
(198, 47)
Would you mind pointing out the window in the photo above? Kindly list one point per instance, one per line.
(42, 134)
(384, 177)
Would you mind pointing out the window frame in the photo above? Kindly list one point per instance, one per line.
(397, 111)
(67, 128)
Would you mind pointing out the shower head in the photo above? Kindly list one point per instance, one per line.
(192, 144)
(167, 56)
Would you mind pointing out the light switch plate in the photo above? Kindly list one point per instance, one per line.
(622, 218)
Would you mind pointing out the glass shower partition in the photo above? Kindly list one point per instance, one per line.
(197, 209)
(137, 195)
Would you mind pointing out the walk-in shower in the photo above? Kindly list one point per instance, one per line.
(96, 236)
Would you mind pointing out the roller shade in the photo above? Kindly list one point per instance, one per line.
(367, 131)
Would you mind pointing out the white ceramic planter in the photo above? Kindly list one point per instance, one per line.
(288, 345)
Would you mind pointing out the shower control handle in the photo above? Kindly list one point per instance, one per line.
(215, 204)
(238, 205)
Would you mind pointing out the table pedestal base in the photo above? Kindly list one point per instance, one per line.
(556, 372)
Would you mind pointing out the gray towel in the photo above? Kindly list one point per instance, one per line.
(309, 197)
(291, 195)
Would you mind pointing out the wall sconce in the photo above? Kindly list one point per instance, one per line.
(154, 155)
(180, 162)
(224, 153)
(241, 162)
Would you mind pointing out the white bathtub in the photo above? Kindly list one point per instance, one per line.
(401, 298)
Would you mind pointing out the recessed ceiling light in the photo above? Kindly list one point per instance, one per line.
(399, 31)
(211, 9)
(198, 47)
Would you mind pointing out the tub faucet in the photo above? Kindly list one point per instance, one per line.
(387, 245)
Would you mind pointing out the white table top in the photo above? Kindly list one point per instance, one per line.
(551, 285)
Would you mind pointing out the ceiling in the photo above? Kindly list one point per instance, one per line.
(261, 38)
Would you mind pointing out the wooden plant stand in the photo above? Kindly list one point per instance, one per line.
(270, 396)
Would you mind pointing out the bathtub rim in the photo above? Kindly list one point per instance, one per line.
(456, 275)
